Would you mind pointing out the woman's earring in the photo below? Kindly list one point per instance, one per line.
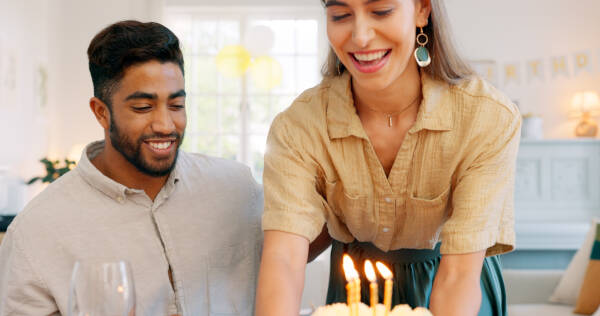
(421, 52)
(339, 66)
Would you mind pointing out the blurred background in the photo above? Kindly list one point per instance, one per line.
(247, 60)
(45, 85)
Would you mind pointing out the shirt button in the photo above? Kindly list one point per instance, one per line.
(385, 229)
(389, 200)
(120, 199)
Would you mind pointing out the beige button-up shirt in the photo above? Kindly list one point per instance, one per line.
(452, 179)
(204, 223)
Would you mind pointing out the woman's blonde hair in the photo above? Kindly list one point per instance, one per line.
(446, 63)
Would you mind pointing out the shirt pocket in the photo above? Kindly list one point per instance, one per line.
(354, 210)
(425, 217)
(232, 276)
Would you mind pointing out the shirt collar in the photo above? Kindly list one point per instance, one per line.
(435, 111)
(342, 119)
(108, 186)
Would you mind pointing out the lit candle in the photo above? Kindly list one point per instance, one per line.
(370, 272)
(347, 264)
(356, 292)
(387, 294)
(351, 289)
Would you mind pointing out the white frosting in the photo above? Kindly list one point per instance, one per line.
(340, 309)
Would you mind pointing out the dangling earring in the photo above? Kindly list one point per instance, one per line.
(339, 66)
(421, 52)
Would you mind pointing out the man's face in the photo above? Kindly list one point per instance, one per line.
(148, 118)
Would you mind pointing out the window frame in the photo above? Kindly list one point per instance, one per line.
(245, 15)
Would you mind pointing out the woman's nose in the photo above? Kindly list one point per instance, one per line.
(362, 33)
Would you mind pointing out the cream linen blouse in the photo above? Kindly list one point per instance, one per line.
(452, 180)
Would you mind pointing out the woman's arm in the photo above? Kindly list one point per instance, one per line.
(456, 288)
(281, 276)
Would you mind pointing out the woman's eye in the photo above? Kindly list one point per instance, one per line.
(383, 12)
(336, 18)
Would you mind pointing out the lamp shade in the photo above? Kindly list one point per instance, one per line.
(585, 102)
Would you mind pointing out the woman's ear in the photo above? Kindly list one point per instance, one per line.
(422, 12)
(101, 112)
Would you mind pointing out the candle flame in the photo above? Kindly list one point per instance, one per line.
(370, 271)
(385, 272)
(349, 269)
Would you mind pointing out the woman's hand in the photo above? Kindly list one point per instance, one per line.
(281, 276)
(456, 288)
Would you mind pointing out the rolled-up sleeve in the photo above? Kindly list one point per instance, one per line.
(22, 292)
(292, 202)
(482, 205)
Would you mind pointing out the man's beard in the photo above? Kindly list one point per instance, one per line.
(132, 150)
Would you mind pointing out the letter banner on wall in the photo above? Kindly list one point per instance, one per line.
(582, 61)
(512, 73)
(538, 70)
(559, 66)
(535, 70)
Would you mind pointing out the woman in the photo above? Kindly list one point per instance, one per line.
(405, 161)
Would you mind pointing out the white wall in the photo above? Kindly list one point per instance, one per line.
(23, 104)
(510, 31)
(23, 53)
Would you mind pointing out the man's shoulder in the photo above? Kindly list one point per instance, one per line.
(210, 167)
(224, 176)
(226, 186)
(53, 203)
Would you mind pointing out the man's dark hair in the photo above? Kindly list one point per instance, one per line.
(125, 44)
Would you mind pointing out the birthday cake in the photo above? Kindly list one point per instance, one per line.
(355, 307)
(340, 309)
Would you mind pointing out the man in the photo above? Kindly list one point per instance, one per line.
(189, 225)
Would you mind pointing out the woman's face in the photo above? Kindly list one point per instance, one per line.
(375, 39)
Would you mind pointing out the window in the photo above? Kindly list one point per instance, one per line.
(228, 117)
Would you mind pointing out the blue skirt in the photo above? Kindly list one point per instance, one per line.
(414, 271)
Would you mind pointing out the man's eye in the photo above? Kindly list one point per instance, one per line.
(383, 12)
(336, 18)
(142, 108)
(178, 106)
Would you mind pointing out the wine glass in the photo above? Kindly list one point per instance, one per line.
(102, 289)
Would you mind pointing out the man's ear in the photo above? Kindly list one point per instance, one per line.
(101, 111)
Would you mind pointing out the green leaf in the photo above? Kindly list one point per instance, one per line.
(32, 180)
(54, 170)
(47, 163)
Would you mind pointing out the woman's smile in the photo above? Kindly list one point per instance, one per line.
(370, 61)
(374, 40)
